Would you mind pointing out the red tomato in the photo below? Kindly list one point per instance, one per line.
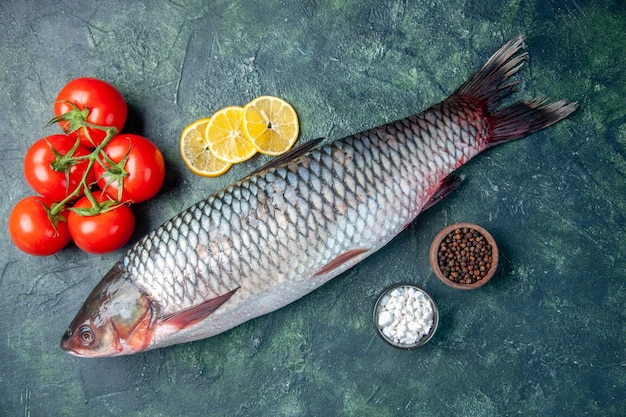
(48, 175)
(33, 232)
(105, 103)
(145, 168)
(104, 232)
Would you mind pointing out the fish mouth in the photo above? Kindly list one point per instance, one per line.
(66, 345)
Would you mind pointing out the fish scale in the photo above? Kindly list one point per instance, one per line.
(292, 237)
(273, 237)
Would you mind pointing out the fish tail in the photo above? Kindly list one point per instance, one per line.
(526, 117)
(487, 87)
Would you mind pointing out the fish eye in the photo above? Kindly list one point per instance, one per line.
(86, 335)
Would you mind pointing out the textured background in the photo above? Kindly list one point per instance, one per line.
(546, 337)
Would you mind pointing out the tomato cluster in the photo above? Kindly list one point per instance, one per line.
(86, 177)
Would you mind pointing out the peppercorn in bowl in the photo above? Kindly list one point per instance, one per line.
(464, 256)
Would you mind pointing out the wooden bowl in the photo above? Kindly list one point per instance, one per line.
(458, 269)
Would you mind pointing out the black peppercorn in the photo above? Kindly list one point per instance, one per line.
(464, 257)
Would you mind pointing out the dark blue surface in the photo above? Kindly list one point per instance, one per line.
(546, 336)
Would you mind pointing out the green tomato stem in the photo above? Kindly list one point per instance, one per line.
(92, 158)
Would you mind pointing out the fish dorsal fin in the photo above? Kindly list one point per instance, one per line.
(340, 260)
(291, 154)
(449, 184)
(195, 314)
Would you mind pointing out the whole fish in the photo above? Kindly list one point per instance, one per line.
(278, 234)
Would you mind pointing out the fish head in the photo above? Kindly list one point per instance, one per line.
(115, 319)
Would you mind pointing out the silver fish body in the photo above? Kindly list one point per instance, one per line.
(273, 237)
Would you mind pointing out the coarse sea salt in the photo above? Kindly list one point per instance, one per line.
(405, 315)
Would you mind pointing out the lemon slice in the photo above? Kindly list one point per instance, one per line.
(271, 124)
(196, 153)
(224, 134)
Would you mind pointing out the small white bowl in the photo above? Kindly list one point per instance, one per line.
(378, 308)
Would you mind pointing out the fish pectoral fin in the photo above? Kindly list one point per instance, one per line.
(195, 314)
(449, 184)
(340, 260)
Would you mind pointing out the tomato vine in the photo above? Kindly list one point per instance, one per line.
(102, 164)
